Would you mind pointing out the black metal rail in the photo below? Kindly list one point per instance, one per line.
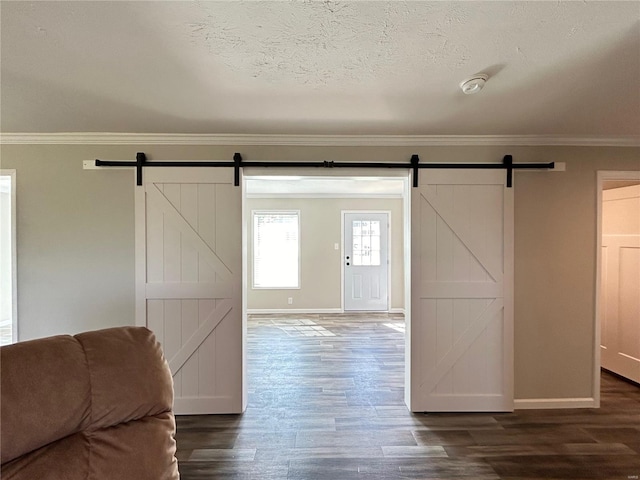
(238, 163)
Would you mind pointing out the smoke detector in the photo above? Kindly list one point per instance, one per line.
(474, 83)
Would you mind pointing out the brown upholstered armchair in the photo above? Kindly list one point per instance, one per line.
(94, 406)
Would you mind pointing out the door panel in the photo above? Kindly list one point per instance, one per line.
(629, 311)
(462, 294)
(620, 299)
(366, 261)
(189, 261)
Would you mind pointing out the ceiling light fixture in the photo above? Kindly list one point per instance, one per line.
(474, 84)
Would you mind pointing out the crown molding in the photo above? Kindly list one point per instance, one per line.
(93, 138)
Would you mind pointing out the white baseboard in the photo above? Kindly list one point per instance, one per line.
(542, 403)
(261, 311)
(397, 310)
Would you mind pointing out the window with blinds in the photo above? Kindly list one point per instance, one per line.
(276, 249)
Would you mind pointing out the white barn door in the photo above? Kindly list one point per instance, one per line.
(462, 292)
(189, 282)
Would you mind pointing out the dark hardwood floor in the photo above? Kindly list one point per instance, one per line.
(326, 402)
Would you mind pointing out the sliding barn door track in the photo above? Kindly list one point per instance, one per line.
(237, 163)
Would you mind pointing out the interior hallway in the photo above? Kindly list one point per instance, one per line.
(326, 402)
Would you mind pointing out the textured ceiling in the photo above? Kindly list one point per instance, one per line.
(556, 68)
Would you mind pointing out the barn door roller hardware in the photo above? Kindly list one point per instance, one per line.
(237, 163)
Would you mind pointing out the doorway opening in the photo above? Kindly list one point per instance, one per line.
(617, 324)
(316, 308)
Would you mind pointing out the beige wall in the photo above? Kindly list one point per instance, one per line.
(75, 243)
(320, 265)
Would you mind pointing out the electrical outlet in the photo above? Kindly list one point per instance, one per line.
(290, 300)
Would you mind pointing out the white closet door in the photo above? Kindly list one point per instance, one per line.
(188, 282)
(462, 292)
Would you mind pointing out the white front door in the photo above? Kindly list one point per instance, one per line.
(461, 330)
(620, 299)
(188, 282)
(366, 261)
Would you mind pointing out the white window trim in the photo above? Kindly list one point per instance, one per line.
(14, 265)
(253, 256)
